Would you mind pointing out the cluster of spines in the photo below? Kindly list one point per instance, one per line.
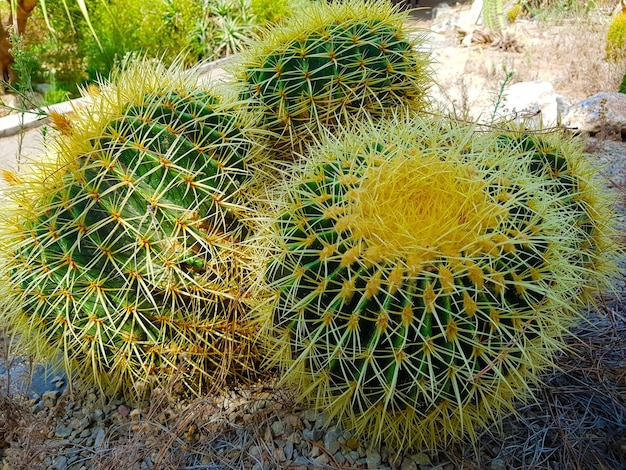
(419, 344)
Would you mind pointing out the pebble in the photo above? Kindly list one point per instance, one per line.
(408, 464)
(330, 440)
(373, 459)
(99, 437)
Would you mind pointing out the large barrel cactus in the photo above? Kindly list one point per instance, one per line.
(122, 252)
(424, 277)
(333, 63)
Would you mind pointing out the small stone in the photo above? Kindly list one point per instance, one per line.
(373, 459)
(80, 424)
(311, 415)
(497, 464)
(301, 460)
(258, 466)
(60, 463)
(339, 458)
(255, 451)
(321, 420)
(294, 438)
(322, 459)
(63, 431)
(98, 414)
(278, 428)
(408, 464)
(123, 410)
(421, 459)
(50, 398)
(279, 454)
(99, 439)
(312, 434)
(395, 461)
(352, 457)
(331, 442)
(294, 421)
(315, 452)
(288, 449)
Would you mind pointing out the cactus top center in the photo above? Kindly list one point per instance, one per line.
(421, 207)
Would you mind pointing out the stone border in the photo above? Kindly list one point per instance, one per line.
(15, 123)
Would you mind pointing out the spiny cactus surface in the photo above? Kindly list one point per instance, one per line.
(422, 281)
(579, 191)
(332, 63)
(122, 252)
(616, 38)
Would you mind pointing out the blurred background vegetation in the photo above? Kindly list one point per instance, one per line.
(63, 55)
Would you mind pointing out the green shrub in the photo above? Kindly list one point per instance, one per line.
(269, 11)
(616, 38)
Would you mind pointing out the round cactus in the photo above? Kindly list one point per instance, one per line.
(330, 64)
(616, 37)
(423, 279)
(122, 251)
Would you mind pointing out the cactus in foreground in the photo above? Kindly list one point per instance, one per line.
(423, 280)
(330, 64)
(122, 251)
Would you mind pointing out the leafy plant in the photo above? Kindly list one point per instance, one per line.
(424, 275)
(269, 11)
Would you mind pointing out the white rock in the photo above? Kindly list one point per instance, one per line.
(536, 104)
(605, 111)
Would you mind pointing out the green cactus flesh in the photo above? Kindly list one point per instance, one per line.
(333, 63)
(123, 253)
(421, 286)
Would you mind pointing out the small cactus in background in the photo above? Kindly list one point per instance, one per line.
(616, 36)
(333, 63)
(122, 252)
(423, 279)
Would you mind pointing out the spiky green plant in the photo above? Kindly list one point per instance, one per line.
(616, 37)
(575, 182)
(424, 278)
(122, 251)
(333, 62)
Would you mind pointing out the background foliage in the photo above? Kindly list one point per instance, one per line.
(70, 56)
